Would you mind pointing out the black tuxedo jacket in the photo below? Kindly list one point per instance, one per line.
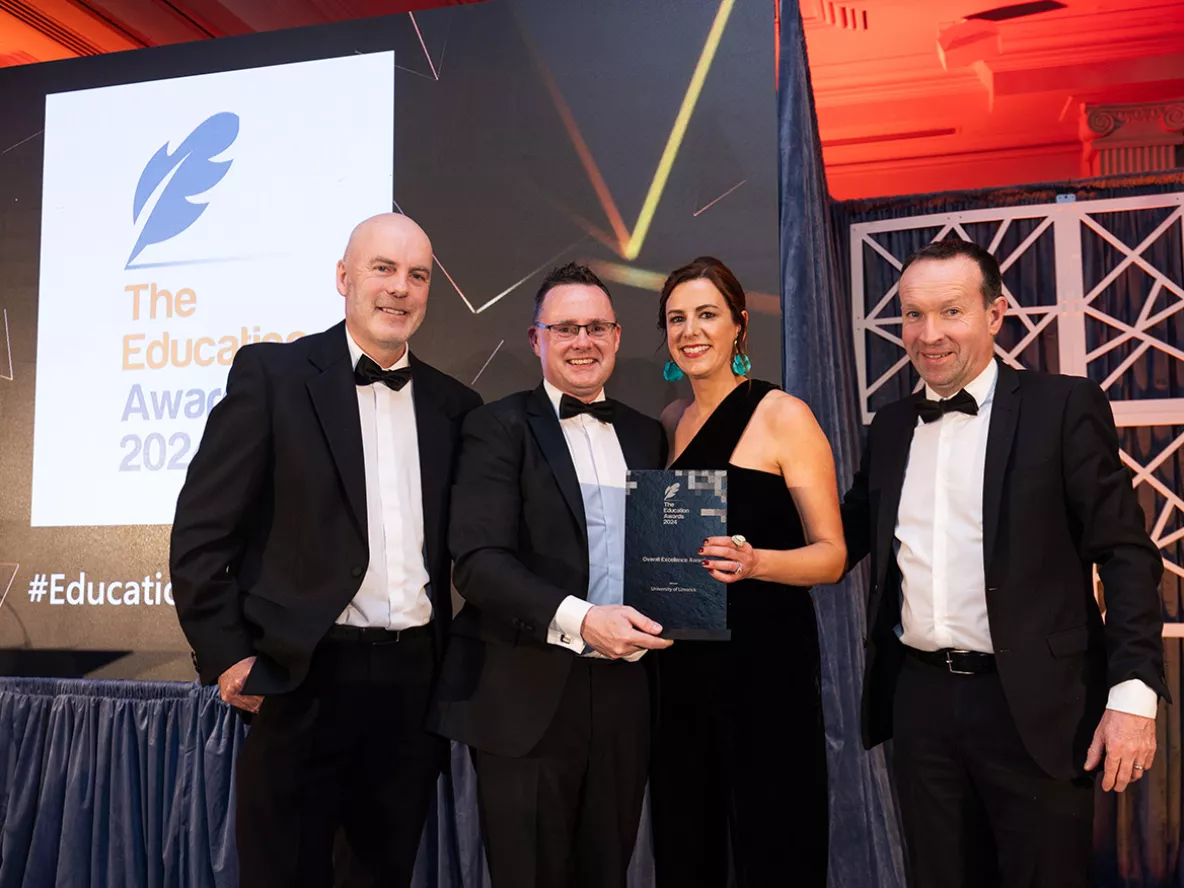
(1056, 501)
(519, 537)
(269, 543)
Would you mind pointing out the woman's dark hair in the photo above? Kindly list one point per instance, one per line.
(711, 269)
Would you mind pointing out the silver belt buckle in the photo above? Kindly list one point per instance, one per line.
(950, 663)
(383, 642)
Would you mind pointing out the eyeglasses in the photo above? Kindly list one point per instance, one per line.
(565, 332)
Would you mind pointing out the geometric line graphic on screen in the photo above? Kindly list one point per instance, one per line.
(189, 170)
(627, 242)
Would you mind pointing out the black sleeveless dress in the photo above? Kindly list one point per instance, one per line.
(739, 758)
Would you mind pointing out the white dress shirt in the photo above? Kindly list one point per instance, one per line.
(939, 539)
(600, 468)
(394, 591)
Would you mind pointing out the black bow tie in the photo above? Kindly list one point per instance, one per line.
(368, 372)
(931, 411)
(602, 410)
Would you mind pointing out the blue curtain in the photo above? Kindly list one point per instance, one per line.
(106, 784)
(116, 783)
(818, 366)
(1139, 835)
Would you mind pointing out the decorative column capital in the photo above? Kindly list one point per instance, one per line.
(1140, 137)
(1135, 121)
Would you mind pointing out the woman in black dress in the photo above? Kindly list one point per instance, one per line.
(738, 776)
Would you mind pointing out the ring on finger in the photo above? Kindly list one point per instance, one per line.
(738, 540)
(739, 567)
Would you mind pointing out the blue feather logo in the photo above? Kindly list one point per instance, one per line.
(195, 174)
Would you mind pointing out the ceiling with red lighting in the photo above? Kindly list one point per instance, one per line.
(912, 95)
(917, 96)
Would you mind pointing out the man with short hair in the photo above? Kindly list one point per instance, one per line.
(541, 678)
(985, 501)
(311, 573)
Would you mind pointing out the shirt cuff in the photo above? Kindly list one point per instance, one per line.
(1133, 696)
(567, 622)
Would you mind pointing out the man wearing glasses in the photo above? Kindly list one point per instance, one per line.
(541, 677)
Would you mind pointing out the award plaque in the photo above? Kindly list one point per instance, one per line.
(668, 514)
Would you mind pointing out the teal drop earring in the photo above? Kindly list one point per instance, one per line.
(671, 372)
(741, 365)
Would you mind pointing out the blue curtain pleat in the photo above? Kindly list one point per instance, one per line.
(116, 783)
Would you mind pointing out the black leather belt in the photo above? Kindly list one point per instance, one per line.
(957, 662)
(371, 635)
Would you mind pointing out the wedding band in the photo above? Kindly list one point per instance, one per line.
(1139, 768)
(739, 567)
(738, 541)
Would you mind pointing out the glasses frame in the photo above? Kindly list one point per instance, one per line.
(612, 325)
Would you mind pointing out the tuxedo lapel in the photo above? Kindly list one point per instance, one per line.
(631, 440)
(1005, 414)
(433, 429)
(544, 424)
(894, 440)
(335, 400)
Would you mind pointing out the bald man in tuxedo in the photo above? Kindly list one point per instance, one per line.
(312, 576)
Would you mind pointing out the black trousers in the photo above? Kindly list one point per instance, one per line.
(343, 757)
(566, 814)
(977, 811)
